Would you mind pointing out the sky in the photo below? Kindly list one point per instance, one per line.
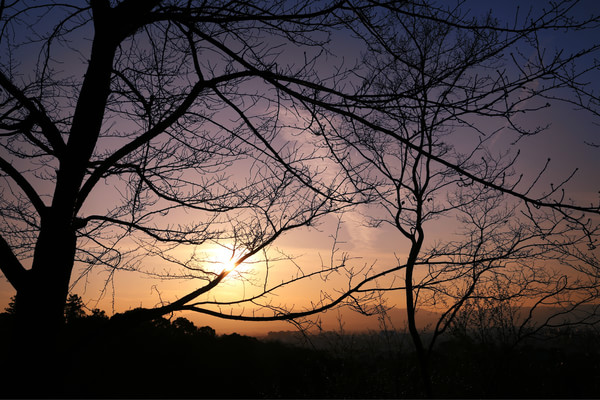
(310, 247)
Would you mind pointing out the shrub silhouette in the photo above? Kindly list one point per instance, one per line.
(176, 359)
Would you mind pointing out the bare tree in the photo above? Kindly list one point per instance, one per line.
(118, 117)
(441, 88)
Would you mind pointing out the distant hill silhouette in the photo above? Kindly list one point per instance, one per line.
(349, 321)
(352, 321)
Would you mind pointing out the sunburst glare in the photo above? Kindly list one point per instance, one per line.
(223, 259)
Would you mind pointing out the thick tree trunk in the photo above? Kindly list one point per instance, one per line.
(48, 279)
(39, 316)
(36, 354)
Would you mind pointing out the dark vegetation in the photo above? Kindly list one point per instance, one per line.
(175, 359)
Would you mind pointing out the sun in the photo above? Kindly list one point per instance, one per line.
(228, 264)
(223, 259)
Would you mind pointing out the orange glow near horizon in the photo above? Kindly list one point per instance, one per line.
(307, 249)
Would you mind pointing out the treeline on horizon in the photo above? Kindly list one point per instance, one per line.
(173, 358)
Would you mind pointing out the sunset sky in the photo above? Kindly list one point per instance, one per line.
(564, 143)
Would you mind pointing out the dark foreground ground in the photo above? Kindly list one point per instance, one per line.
(175, 359)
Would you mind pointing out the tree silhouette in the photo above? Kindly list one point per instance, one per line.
(444, 95)
(74, 308)
(119, 118)
(176, 109)
(11, 308)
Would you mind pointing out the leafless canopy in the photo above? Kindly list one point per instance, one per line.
(245, 121)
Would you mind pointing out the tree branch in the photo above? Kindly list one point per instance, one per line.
(11, 266)
(24, 184)
(49, 130)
